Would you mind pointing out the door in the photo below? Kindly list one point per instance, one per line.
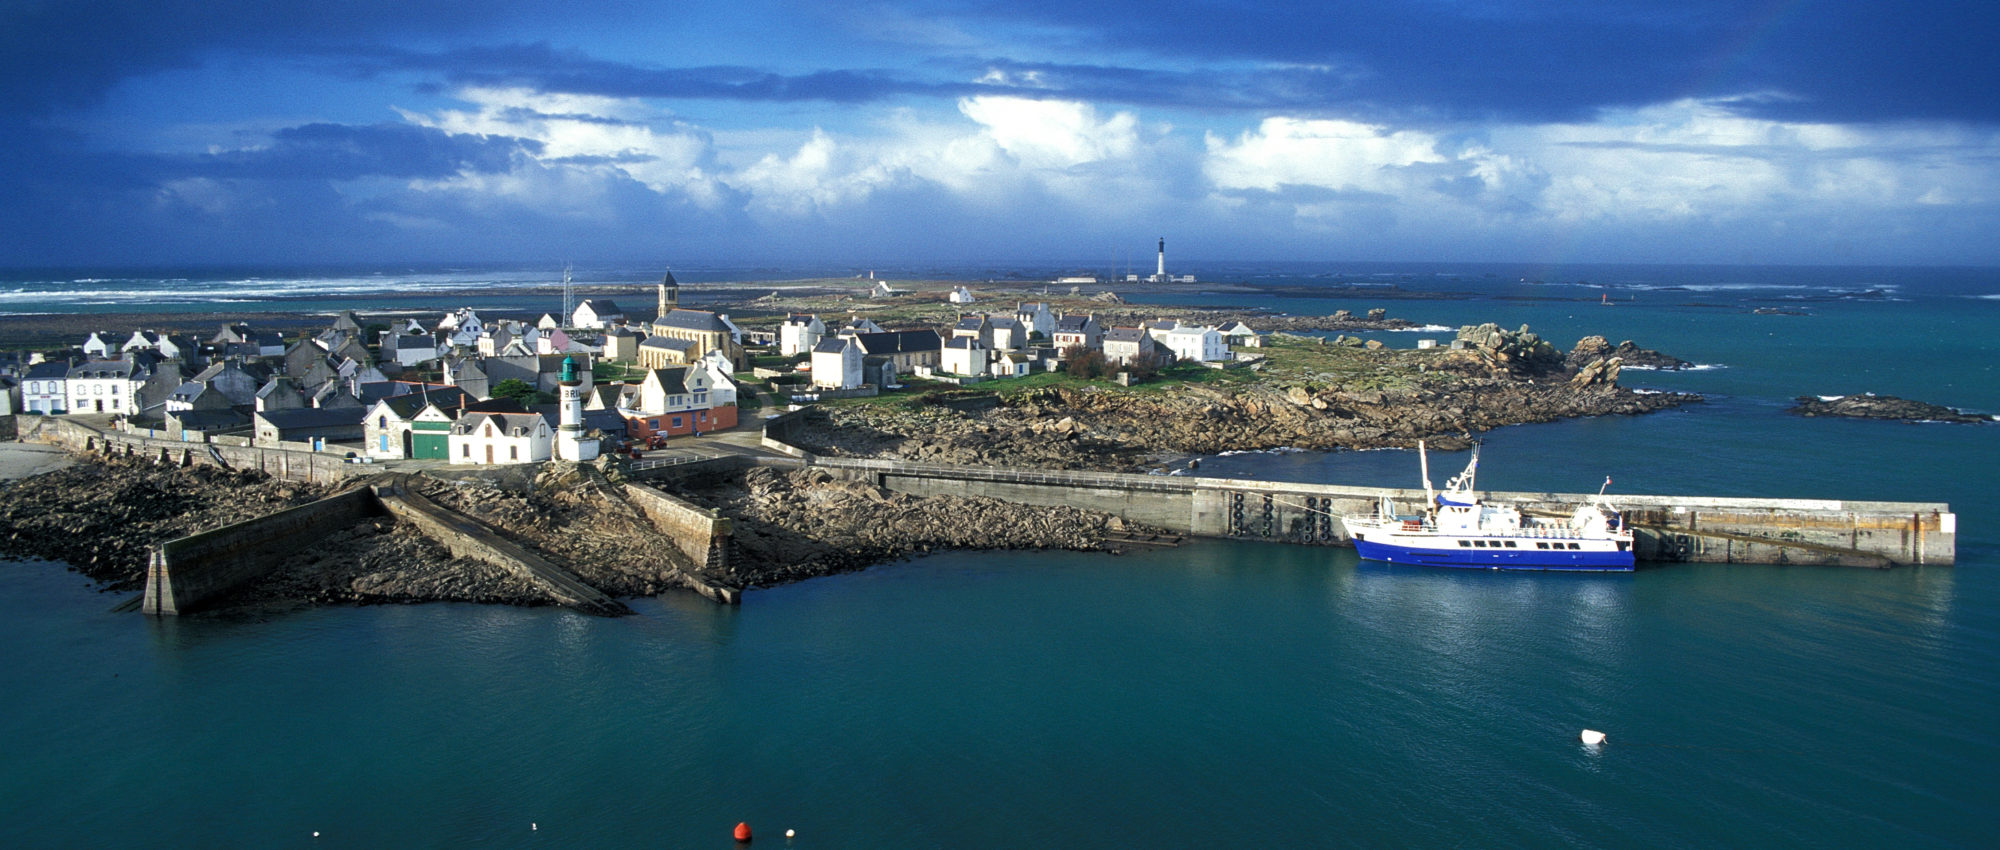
(489, 453)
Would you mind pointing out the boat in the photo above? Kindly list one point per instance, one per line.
(1459, 529)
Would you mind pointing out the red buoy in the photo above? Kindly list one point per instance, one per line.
(743, 832)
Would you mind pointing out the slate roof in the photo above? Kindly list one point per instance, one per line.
(900, 342)
(966, 342)
(101, 369)
(48, 370)
(667, 343)
(1007, 322)
(1124, 335)
(830, 345)
(693, 320)
(668, 279)
(673, 380)
(602, 307)
(313, 417)
(510, 424)
(210, 420)
(970, 323)
(1073, 324)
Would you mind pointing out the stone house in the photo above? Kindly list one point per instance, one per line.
(1123, 345)
(306, 424)
(1073, 331)
(1036, 317)
(906, 350)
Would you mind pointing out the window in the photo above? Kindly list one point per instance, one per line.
(382, 421)
(114, 402)
(677, 422)
(1541, 545)
(1510, 544)
(1574, 546)
(465, 450)
(1464, 544)
(513, 452)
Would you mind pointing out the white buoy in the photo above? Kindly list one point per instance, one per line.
(790, 833)
(315, 835)
(1593, 737)
(534, 826)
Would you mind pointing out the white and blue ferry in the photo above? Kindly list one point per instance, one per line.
(1458, 529)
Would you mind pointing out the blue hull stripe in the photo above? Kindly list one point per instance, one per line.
(1496, 559)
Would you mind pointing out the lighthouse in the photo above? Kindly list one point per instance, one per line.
(1160, 273)
(570, 444)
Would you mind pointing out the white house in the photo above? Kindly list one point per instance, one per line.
(492, 438)
(1198, 344)
(960, 295)
(721, 377)
(799, 333)
(96, 346)
(1011, 364)
(103, 386)
(1035, 316)
(1240, 335)
(883, 290)
(45, 388)
(859, 325)
(836, 364)
(1008, 334)
(964, 355)
(597, 313)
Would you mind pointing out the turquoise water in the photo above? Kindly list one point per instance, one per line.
(1219, 694)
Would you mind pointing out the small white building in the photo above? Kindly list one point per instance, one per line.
(1195, 344)
(45, 389)
(1240, 335)
(494, 438)
(721, 377)
(960, 295)
(1011, 364)
(799, 333)
(836, 364)
(597, 313)
(964, 355)
(96, 346)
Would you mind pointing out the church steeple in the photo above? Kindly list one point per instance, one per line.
(670, 295)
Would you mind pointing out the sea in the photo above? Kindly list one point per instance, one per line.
(1222, 694)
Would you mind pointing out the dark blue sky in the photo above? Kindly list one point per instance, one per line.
(373, 131)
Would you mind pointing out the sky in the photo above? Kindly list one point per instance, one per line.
(168, 132)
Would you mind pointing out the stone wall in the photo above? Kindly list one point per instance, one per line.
(316, 467)
(1667, 528)
(699, 533)
(190, 571)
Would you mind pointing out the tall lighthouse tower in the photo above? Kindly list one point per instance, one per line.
(570, 444)
(1160, 272)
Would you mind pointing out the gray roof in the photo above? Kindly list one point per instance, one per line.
(693, 320)
(506, 422)
(970, 323)
(967, 342)
(102, 369)
(830, 345)
(209, 420)
(1124, 335)
(602, 307)
(668, 343)
(48, 370)
(1007, 322)
(900, 342)
(673, 379)
(668, 279)
(313, 417)
(1073, 324)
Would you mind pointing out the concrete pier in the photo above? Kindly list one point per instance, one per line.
(186, 573)
(1668, 528)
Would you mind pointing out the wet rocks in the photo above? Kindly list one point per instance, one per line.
(1594, 348)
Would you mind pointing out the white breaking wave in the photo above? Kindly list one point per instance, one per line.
(1831, 398)
(1281, 450)
(1698, 367)
(1426, 329)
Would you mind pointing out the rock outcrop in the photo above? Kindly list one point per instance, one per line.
(1872, 406)
(1594, 348)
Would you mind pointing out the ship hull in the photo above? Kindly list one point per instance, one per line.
(1408, 549)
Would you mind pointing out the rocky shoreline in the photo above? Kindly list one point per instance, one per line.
(1385, 399)
(103, 516)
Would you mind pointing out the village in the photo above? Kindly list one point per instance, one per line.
(470, 390)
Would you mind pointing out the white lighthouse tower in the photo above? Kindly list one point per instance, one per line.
(1160, 271)
(570, 444)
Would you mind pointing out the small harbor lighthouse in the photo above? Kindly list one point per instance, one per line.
(570, 444)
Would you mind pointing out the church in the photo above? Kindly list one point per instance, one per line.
(680, 336)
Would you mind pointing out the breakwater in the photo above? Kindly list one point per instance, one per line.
(1689, 529)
